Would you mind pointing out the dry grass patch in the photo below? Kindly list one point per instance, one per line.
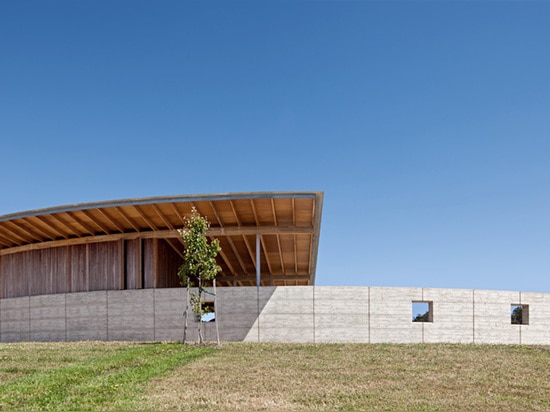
(125, 376)
(358, 377)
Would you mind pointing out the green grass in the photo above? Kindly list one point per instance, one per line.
(84, 376)
(245, 376)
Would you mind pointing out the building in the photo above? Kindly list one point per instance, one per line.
(134, 244)
(108, 271)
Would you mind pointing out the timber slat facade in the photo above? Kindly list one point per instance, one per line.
(134, 243)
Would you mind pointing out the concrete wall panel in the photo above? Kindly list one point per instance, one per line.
(237, 313)
(537, 332)
(286, 314)
(47, 318)
(341, 314)
(492, 320)
(15, 320)
(86, 316)
(391, 315)
(131, 315)
(168, 314)
(279, 314)
(453, 316)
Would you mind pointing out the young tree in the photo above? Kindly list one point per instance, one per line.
(199, 260)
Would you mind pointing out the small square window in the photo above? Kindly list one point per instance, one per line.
(519, 314)
(422, 311)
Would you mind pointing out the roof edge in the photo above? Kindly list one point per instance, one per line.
(160, 199)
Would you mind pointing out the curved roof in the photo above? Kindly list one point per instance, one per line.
(288, 225)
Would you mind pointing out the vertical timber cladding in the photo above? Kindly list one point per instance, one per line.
(14, 282)
(75, 268)
(34, 272)
(105, 269)
(133, 251)
(113, 265)
(46, 270)
(78, 268)
(168, 263)
(150, 263)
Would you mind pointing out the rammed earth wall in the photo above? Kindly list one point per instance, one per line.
(312, 314)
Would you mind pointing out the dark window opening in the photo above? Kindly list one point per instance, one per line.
(519, 314)
(422, 311)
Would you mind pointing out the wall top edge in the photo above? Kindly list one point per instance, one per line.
(272, 288)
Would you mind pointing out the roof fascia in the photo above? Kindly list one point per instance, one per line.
(157, 200)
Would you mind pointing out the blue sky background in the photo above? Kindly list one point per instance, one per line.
(426, 124)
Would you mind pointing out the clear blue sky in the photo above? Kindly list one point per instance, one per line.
(425, 123)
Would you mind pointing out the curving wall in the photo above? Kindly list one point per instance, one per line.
(285, 314)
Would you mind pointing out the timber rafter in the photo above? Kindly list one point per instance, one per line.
(288, 224)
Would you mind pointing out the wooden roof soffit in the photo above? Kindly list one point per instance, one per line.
(288, 224)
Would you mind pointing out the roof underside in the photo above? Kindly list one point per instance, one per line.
(288, 225)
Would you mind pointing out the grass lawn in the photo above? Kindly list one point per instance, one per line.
(125, 376)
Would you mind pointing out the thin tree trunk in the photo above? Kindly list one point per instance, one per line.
(201, 339)
(186, 312)
(216, 319)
